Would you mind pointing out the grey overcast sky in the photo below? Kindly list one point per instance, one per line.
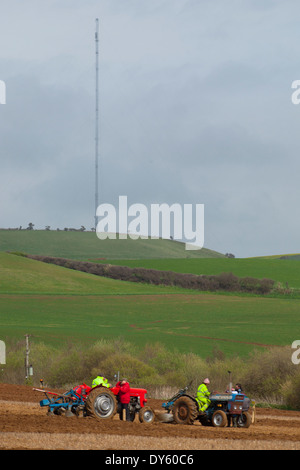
(195, 107)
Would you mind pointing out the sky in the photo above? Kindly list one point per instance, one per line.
(194, 108)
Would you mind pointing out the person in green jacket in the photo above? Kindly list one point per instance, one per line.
(203, 394)
(100, 380)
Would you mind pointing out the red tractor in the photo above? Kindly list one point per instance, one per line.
(102, 403)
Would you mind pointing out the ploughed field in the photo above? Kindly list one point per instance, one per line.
(25, 425)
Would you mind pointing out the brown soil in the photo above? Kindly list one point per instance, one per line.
(26, 425)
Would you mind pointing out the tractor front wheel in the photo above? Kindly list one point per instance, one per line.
(219, 419)
(146, 415)
(101, 403)
(244, 420)
(185, 411)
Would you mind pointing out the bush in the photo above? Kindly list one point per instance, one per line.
(267, 372)
(163, 360)
(136, 372)
(291, 392)
(228, 282)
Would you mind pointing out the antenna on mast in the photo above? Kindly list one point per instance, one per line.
(96, 122)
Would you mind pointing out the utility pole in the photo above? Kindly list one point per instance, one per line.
(27, 351)
(28, 368)
(230, 382)
(96, 122)
(2, 353)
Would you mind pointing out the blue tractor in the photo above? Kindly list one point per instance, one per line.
(225, 409)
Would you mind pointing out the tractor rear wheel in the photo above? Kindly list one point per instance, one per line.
(101, 403)
(185, 411)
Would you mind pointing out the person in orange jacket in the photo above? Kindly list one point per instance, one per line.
(124, 398)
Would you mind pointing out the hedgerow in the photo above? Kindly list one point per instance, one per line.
(222, 282)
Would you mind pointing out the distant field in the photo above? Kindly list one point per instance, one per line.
(86, 245)
(195, 323)
(281, 270)
(286, 256)
(56, 305)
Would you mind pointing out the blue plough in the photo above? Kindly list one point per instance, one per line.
(68, 403)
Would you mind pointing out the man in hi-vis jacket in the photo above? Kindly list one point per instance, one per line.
(203, 395)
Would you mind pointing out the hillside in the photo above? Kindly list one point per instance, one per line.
(86, 245)
(20, 275)
(56, 304)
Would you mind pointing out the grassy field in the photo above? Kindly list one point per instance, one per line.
(56, 305)
(86, 245)
(189, 323)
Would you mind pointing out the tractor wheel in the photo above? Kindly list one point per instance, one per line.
(146, 415)
(244, 420)
(101, 403)
(185, 411)
(219, 419)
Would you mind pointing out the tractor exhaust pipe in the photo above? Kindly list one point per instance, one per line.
(230, 382)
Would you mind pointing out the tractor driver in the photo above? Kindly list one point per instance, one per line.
(100, 380)
(203, 394)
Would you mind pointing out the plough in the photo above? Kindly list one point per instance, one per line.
(68, 403)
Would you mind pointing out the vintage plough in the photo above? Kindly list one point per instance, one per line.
(69, 403)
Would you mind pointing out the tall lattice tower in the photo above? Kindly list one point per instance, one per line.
(97, 122)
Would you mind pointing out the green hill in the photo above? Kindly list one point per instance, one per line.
(86, 245)
(55, 304)
(21, 275)
(58, 305)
